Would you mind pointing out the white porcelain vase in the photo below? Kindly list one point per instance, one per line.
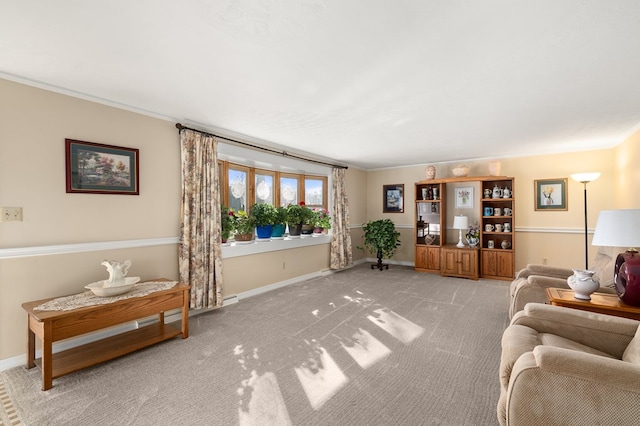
(583, 283)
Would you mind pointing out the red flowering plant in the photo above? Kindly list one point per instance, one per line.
(322, 218)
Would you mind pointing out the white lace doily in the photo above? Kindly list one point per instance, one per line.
(81, 300)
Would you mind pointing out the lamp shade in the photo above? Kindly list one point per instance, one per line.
(460, 222)
(585, 177)
(618, 228)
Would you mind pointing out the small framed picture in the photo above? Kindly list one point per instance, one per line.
(550, 194)
(464, 197)
(393, 198)
(101, 169)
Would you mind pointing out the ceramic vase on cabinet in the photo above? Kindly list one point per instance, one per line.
(430, 172)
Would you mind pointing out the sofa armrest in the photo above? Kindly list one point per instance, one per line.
(532, 289)
(571, 387)
(606, 333)
(544, 270)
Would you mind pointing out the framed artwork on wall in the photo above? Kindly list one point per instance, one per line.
(550, 194)
(101, 169)
(464, 197)
(393, 198)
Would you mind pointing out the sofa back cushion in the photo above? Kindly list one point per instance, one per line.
(604, 264)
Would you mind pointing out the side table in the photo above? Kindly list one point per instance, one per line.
(602, 303)
(51, 326)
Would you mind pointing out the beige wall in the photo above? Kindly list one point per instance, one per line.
(557, 236)
(627, 158)
(35, 122)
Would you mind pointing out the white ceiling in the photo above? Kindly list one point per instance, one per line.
(368, 83)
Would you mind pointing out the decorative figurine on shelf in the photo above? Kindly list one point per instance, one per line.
(117, 272)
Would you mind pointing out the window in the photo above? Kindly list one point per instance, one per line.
(244, 186)
(237, 187)
(264, 187)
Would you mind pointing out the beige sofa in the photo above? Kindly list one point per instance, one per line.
(562, 366)
(530, 283)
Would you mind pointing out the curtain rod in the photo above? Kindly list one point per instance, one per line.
(274, 151)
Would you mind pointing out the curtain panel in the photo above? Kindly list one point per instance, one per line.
(199, 252)
(341, 250)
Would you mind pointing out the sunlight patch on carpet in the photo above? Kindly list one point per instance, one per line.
(320, 377)
(266, 405)
(366, 349)
(396, 325)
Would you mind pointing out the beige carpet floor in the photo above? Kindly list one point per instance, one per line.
(358, 347)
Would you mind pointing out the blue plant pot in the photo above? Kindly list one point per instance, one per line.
(278, 231)
(264, 232)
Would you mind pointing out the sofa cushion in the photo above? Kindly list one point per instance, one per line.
(549, 339)
(604, 263)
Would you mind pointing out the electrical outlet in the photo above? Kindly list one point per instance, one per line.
(10, 214)
(544, 260)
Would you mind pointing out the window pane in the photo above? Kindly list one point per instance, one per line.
(264, 189)
(288, 191)
(237, 189)
(313, 192)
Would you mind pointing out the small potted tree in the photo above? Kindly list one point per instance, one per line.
(380, 237)
(280, 225)
(264, 216)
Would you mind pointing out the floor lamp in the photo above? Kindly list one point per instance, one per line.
(585, 178)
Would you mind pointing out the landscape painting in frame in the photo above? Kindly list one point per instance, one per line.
(393, 198)
(101, 169)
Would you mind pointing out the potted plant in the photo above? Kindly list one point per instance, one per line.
(380, 237)
(264, 216)
(226, 223)
(243, 225)
(308, 220)
(295, 216)
(322, 220)
(473, 235)
(280, 224)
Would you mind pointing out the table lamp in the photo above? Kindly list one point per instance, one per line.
(621, 228)
(460, 223)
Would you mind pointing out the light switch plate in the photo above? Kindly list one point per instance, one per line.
(10, 214)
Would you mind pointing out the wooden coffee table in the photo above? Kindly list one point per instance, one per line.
(603, 303)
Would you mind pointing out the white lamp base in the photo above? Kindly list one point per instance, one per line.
(460, 243)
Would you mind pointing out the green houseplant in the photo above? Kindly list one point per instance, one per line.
(226, 223)
(380, 237)
(243, 225)
(322, 219)
(264, 216)
(280, 224)
(295, 216)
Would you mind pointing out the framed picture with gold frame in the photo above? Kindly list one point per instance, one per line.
(550, 194)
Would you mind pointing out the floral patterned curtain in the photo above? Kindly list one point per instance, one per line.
(199, 252)
(341, 251)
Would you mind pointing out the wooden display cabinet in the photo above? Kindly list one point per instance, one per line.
(429, 229)
(431, 254)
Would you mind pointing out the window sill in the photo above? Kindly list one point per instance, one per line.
(257, 247)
